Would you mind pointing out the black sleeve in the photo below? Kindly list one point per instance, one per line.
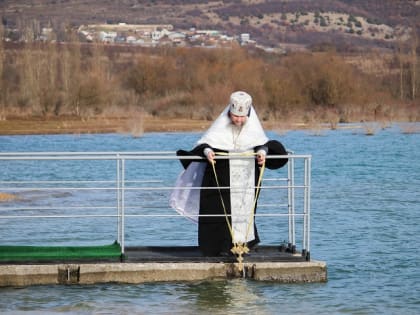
(275, 148)
(197, 151)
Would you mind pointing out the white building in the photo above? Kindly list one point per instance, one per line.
(131, 39)
(245, 38)
(108, 37)
(157, 35)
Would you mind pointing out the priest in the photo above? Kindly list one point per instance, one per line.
(225, 205)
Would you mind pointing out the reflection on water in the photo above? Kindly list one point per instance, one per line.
(203, 294)
(222, 296)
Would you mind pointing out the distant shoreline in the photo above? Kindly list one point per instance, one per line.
(138, 126)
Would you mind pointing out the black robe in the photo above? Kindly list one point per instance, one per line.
(214, 237)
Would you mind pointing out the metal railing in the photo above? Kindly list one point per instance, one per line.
(126, 185)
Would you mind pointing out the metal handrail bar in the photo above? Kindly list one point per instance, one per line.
(122, 155)
(137, 188)
(119, 153)
(63, 153)
(77, 181)
(141, 215)
(105, 181)
(55, 216)
(266, 205)
(218, 215)
(110, 208)
(56, 208)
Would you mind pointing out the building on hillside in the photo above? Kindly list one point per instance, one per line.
(244, 38)
(107, 37)
(177, 38)
(207, 32)
(131, 39)
(159, 34)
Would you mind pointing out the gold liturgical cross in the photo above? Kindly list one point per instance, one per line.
(239, 249)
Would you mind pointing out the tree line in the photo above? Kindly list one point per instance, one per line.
(85, 80)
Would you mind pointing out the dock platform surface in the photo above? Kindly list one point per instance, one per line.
(193, 254)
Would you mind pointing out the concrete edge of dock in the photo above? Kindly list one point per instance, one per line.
(92, 273)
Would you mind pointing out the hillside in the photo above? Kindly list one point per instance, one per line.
(112, 64)
(346, 23)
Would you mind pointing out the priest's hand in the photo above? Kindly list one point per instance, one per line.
(209, 153)
(261, 157)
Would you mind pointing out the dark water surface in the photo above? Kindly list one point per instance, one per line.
(364, 224)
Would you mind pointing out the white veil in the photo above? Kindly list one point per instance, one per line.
(219, 135)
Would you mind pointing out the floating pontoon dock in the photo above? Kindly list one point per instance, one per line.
(121, 263)
(168, 264)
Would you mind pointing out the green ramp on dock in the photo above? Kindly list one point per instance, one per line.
(60, 253)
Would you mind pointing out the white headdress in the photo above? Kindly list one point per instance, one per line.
(240, 103)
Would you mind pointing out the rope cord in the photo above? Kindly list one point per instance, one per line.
(236, 153)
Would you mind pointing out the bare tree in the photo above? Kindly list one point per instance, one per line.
(2, 110)
(30, 78)
(49, 99)
(400, 56)
(70, 65)
(414, 45)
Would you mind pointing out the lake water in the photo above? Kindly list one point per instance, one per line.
(365, 223)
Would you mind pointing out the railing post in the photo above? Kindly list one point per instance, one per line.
(306, 208)
(291, 201)
(118, 191)
(122, 206)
